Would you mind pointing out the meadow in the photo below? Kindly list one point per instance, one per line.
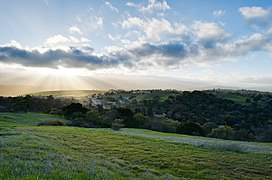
(28, 151)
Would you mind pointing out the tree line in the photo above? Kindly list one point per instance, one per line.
(194, 113)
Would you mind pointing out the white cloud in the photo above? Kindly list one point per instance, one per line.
(95, 22)
(255, 42)
(155, 5)
(155, 29)
(152, 5)
(241, 47)
(218, 13)
(74, 29)
(131, 4)
(133, 22)
(114, 38)
(62, 42)
(14, 43)
(109, 5)
(74, 39)
(209, 31)
(257, 16)
(253, 12)
(57, 39)
(85, 40)
(90, 21)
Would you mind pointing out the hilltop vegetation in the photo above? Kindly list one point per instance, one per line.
(46, 152)
(226, 114)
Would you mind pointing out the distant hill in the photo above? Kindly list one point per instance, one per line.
(67, 93)
(16, 90)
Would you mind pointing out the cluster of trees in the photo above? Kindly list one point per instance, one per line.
(116, 118)
(194, 113)
(29, 103)
(215, 117)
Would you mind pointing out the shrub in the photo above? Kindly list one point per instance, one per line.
(55, 111)
(94, 118)
(52, 123)
(163, 125)
(225, 132)
(265, 135)
(139, 120)
(208, 126)
(190, 128)
(117, 124)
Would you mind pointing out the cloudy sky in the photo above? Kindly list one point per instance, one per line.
(182, 44)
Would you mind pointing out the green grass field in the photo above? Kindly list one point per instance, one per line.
(234, 97)
(28, 151)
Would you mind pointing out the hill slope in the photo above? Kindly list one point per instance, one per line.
(79, 153)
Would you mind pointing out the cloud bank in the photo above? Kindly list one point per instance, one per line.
(142, 54)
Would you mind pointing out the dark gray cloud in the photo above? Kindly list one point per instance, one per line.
(53, 58)
(166, 54)
(77, 58)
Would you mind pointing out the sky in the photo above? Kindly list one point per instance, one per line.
(126, 44)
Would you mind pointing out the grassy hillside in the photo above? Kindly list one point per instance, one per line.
(29, 151)
(234, 97)
(28, 119)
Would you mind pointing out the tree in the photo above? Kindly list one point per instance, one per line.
(208, 126)
(127, 115)
(93, 118)
(190, 128)
(72, 108)
(163, 124)
(117, 124)
(225, 132)
(140, 120)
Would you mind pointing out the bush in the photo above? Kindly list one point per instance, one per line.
(190, 128)
(163, 125)
(55, 111)
(93, 118)
(208, 126)
(52, 123)
(117, 124)
(140, 120)
(265, 135)
(225, 132)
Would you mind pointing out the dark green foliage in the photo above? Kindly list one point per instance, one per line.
(117, 124)
(248, 113)
(127, 115)
(140, 120)
(225, 132)
(190, 128)
(31, 104)
(162, 125)
(208, 126)
(93, 118)
(265, 135)
(52, 123)
(72, 108)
